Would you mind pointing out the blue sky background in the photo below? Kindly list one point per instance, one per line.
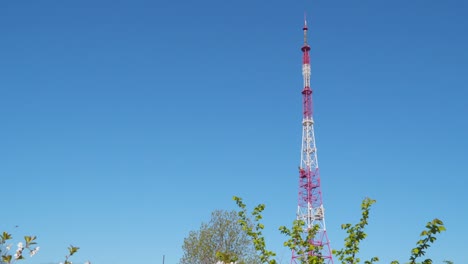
(125, 123)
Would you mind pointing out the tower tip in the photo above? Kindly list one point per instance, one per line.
(305, 21)
(305, 28)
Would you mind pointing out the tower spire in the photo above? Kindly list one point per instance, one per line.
(310, 207)
(305, 28)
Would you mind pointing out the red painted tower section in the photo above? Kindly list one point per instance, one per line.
(310, 207)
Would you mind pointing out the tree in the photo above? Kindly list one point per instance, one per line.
(6, 246)
(220, 239)
(347, 255)
(296, 241)
(26, 247)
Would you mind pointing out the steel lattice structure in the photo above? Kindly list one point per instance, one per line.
(310, 205)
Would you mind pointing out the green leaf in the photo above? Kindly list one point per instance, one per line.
(6, 258)
(72, 250)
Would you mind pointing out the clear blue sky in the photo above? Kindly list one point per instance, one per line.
(125, 123)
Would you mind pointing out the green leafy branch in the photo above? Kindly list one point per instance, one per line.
(309, 254)
(254, 230)
(71, 250)
(356, 234)
(302, 246)
(29, 244)
(7, 257)
(432, 228)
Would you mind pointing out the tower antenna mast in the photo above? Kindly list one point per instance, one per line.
(310, 207)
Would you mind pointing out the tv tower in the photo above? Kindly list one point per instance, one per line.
(310, 205)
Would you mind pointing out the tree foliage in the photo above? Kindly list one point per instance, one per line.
(301, 245)
(71, 251)
(220, 239)
(22, 248)
(254, 230)
(428, 236)
(296, 241)
(26, 247)
(347, 255)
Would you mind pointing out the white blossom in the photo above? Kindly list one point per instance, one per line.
(34, 251)
(19, 251)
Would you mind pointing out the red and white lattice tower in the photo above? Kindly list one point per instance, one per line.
(310, 205)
